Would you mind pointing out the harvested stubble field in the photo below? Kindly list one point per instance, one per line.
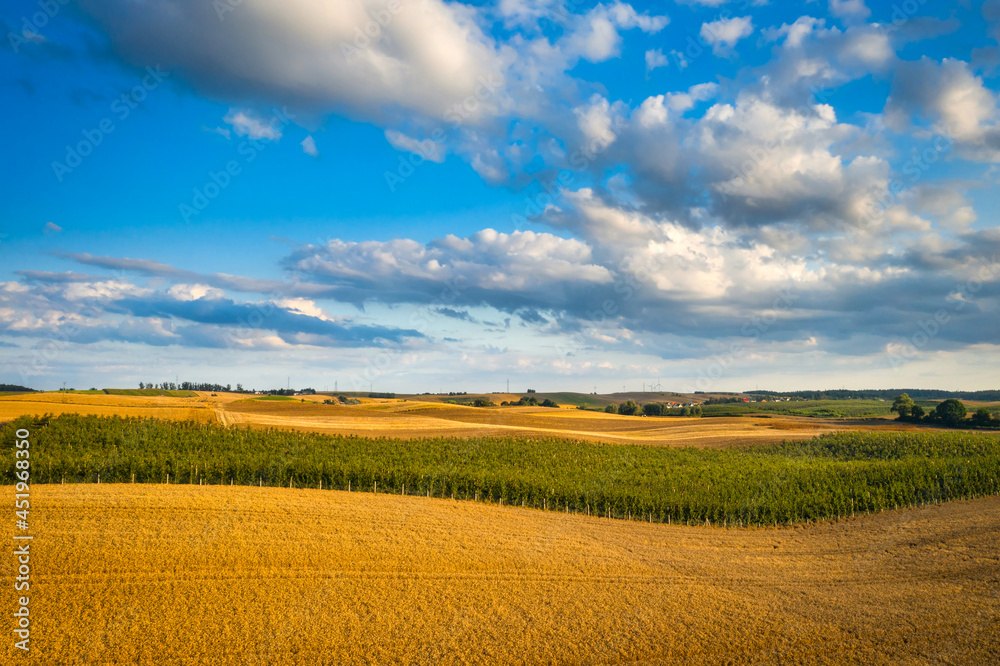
(196, 408)
(153, 574)
(410, 419)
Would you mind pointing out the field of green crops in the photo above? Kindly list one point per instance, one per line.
(819, 408)
(823, 478)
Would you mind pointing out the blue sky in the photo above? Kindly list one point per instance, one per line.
(710, 195)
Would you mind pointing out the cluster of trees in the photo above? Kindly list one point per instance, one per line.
(723, 401)
(659, 409)
(344, 400)
(826, 477)
(11, 388)
(280, 391)
(948, 412)
(379, 395)
(631, 408)
(628, 408)
(984, 418)
(194, 386)
(219, 388)
(531, 401)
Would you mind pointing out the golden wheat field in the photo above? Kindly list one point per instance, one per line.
(152, 574)
(177, 409)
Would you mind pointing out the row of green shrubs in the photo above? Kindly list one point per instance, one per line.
(951, 412)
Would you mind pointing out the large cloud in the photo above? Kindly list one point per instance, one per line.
(90, 309)
(509, 271)
(753, 162)
(952, 100)
(360, 56)
(632, 274)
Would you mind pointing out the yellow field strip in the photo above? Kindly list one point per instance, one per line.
(146, 574)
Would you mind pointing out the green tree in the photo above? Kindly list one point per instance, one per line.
(611, 409)
(903, 406)
(917, 412)
(483, 402)
(629, 408)
(951, 411)
(982, 417)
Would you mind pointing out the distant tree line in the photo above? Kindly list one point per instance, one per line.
(886, 394)
(194, 386)
(219, 388)
(950, 412)
(734, 399)
(10, 388)
(722, 401)
(528, 401)
(631, 408)
(381, 395)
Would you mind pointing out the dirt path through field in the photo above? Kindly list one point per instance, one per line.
(220, 413)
